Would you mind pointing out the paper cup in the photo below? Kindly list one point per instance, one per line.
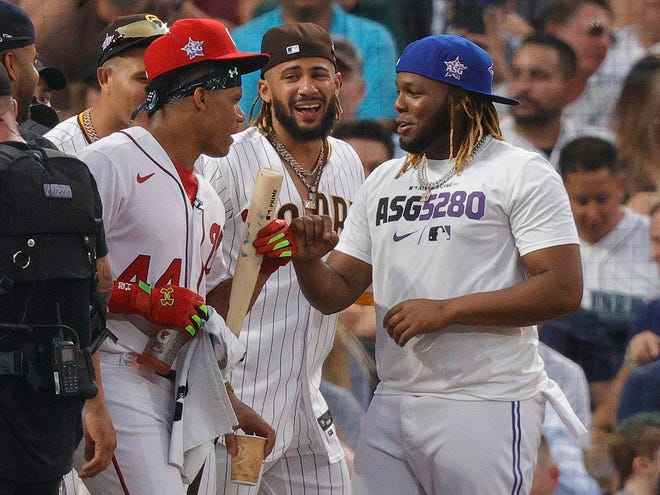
(246, 464)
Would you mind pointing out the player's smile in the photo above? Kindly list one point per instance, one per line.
(309, 110)
(403, 127)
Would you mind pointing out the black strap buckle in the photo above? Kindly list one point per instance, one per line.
(11, 363)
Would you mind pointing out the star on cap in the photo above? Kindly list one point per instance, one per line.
(193, 48)
(455, 68)
(106, 41)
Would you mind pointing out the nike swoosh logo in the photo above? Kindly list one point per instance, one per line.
(141, 178)
(397, 238)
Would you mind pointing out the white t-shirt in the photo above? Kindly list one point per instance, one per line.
(619, 275)
(569, 131)
(468, 238)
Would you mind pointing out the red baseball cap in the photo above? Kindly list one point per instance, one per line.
(191, 41)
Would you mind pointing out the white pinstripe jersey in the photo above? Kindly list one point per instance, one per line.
(153, 231)
(286, 339)
(68, 136)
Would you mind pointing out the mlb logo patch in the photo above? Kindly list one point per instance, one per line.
(290, 50)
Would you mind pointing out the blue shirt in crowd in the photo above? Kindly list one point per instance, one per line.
(641, 392)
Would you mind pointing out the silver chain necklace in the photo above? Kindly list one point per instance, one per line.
(422, 176)
(311, 203)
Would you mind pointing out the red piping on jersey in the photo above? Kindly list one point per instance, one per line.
(184, 196)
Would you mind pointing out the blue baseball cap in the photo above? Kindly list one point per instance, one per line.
(453, 60)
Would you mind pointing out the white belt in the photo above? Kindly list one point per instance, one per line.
(120, 358)
(129, 359)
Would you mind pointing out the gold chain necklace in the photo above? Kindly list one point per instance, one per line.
(422, 176)
(311, 203)
(87, 126)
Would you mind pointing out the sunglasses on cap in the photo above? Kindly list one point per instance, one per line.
(147, 28)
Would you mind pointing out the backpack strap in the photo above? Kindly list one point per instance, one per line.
(11, 152)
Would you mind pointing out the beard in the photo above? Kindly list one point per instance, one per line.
(540, 117)
(439, 125)
(298, 133)
(536, 120)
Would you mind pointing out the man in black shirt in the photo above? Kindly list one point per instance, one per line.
(40, 427)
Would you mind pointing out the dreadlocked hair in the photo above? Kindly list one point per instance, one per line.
(264, 119)
(481, 119)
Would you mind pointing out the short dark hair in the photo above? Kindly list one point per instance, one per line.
(589, 154)
(638, 435)
(365, 129)
(567, 57)
(561, 11)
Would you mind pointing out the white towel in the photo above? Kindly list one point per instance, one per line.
(203, 410)
(555, 396)
(229, 350)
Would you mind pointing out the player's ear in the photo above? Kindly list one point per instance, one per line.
(199, 97)
(263, 88)
(338, 82)
(103, 75)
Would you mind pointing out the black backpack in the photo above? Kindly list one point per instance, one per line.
(48, 218)
(48, 224)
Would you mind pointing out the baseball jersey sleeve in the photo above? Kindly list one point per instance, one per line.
(110, 185)
(68, 136)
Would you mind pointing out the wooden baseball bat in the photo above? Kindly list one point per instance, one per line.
(261, 211)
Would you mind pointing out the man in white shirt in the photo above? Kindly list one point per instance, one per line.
(469, 241)
(543, 79)
(618, 274)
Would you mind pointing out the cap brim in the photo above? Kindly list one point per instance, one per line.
(246, 62)
(502, 99)
(496, 98)
(54, 77)
(122, 47)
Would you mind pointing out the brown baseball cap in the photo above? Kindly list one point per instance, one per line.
(297, 40)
